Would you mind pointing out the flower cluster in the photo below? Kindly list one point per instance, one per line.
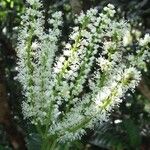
(67, 94)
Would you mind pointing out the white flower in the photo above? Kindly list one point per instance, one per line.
(68, 46)
(111, 6)
(127, 39)
(35, 46)
(67, 52)
(103, 63)
(145, 40)
(61, 59)
(104, 94)
(58, 96)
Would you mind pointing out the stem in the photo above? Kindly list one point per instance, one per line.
(48, 145)
(54, 145)
(45, 144)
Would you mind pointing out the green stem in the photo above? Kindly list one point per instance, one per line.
(45, 144)
(54, 145)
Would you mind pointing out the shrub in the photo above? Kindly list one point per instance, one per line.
(69, 93)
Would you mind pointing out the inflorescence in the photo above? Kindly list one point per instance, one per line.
(67, 94)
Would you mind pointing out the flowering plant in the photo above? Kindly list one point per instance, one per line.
(69, 93)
